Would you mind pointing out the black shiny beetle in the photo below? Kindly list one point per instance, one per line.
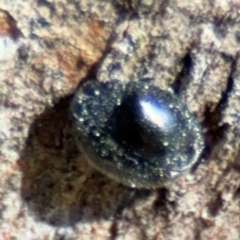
(135, 133)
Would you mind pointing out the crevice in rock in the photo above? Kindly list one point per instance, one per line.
(183, 77)
(237, 194)
(215, 205)
(161, 199)
(114, 230)
(216, 132)
(162, 206)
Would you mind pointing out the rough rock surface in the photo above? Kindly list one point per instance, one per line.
(47, 47)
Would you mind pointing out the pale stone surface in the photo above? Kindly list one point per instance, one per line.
(47, 190)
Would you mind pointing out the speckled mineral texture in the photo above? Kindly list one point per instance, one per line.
(48, 47)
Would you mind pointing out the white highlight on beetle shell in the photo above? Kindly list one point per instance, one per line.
(159, 115)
